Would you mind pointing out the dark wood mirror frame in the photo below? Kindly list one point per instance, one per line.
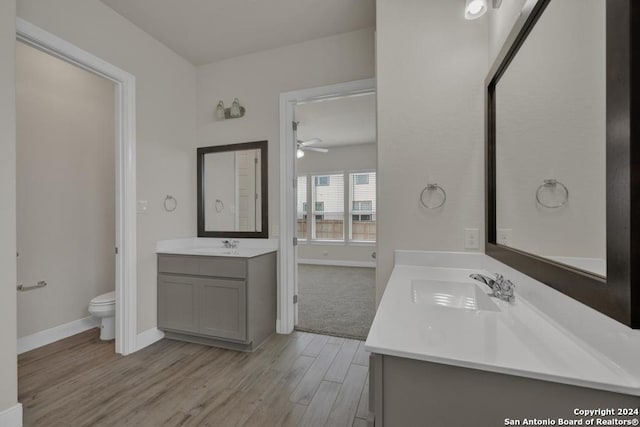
(617, 296)
(262, 146)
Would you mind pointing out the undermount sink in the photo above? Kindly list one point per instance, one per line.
(220, 251)
(466, 296)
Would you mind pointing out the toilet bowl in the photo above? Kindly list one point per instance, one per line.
(104, 307)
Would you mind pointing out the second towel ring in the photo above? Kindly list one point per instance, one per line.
(170, 203)
(552, 184)
(430, 188)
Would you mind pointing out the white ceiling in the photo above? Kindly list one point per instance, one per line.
(338, 122)
(205, 31)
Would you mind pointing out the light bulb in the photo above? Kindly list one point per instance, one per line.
(235, 108)
(299, 153)
(475, 9)
(220, 111)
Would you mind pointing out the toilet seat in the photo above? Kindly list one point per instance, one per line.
(104, 299)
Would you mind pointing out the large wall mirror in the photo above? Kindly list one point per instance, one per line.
(559, 164)
(232, 190)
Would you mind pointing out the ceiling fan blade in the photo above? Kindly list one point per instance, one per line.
(310, 142)
(317, 149)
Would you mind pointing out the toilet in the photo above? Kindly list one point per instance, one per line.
(104, 307)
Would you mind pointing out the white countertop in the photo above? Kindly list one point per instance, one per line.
(247, 248)
(517, 339)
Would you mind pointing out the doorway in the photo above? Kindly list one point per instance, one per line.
(125, 176)
(65, 186)
(336, 214)
(322, 216)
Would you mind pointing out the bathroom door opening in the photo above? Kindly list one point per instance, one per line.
(123, 189)
(325, 151)
(65, 186)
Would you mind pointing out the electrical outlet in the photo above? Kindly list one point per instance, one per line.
(275, 230)
(471, 238)
(504, 236)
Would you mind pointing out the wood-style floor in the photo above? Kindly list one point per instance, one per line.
(292, 380)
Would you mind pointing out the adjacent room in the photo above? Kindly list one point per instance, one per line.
(336, 177)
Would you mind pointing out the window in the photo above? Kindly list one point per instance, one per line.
(361, 210)
(333, 218)
(363, 207)
(319, 210)
(301, 217)
(322, 181)
(361, 179)
(328, 215)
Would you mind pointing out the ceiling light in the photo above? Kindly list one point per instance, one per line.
(475, 9)
(299, 153)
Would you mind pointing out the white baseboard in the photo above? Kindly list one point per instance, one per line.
(148, 337)
(11, 417)
(337, 263)
(57, 333)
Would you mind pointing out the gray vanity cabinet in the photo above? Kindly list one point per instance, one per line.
(413, 393)
(227, 302)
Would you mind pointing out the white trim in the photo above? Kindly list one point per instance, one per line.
(288, 100)
(337, 263)
(126, 316)
(56, 333)
(148, 337)
(11, 417)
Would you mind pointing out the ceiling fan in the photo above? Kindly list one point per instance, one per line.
(306, 146)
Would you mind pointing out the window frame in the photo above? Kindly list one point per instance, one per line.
(348, 207)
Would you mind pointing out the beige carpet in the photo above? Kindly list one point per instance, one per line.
(336, 300)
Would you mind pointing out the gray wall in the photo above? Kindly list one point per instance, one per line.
(8, 351)
(65, 188)
(431, 65)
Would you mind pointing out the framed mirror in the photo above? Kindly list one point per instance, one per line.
(559, 163)
(233, 199)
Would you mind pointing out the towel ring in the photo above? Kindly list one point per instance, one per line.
(552, 184)
(170, 203)
(219, 205)
(430, 188)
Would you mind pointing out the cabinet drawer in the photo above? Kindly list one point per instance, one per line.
(202, 266)
(223, 267)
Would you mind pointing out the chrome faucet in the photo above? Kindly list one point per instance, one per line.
(501, 288)
(230, 244)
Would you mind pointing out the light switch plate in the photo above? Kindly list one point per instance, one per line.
(471, 238)
(142, 206)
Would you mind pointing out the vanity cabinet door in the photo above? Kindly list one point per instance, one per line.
(177, 303)
(222, 308)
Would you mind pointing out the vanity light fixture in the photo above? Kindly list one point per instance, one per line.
(299, 153)
(236, 110)
(474, 9)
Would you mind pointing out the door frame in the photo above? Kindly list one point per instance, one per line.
(288, 256)
(125, 164)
